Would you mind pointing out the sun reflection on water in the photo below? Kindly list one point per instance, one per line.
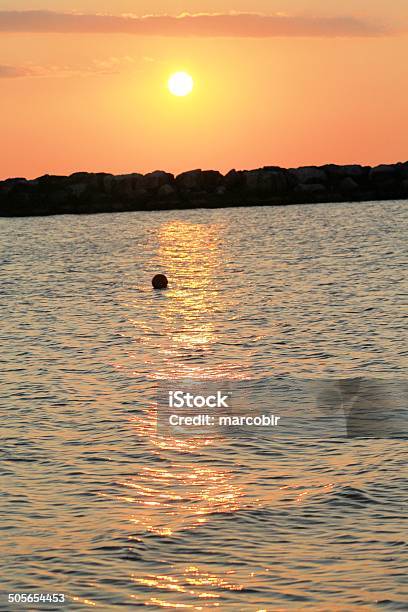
(179, 340)
(190, 255)
(184, 495)
(190, 582)
(182, 488)
(179, 336)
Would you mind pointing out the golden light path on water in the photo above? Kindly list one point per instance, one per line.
(185, 495)
(189, 253)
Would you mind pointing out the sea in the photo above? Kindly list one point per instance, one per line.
(100, 506)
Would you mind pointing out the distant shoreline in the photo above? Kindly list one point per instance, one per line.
(88, 193)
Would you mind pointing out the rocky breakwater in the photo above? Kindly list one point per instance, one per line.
(84, 192)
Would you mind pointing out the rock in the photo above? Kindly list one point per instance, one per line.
(353, 171)
(404, 170)
(199, 180)
(50, 180)
(124, 185)
(309, 175)
(312, 189)
(15, 181)
(252, 178)
(155, 180)
(79, 177)
(404, 187)
(210, 180)
(348, 185)
(101, 179)
(84, 192)
(107, 182)
(9, 184)
(59, 197)
(382, 173)
(78, 189)
(22, 194)
(77, 183)
(234, 180)
(140, 195)
(266, 182)
(274, 168)
(166, 191)
(189, 180)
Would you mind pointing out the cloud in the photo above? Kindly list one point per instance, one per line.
(12, 72)
(108, 66)
(244, 25)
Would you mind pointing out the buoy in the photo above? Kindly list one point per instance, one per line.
(159, 281)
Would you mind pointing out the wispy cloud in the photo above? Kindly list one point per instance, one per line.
(247, 25)
(12, 72)
(107, 66)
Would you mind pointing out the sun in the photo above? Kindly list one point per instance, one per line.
(180, 84)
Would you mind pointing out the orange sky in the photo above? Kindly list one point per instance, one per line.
(298, 84)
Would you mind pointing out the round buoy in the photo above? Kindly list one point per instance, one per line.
(159, 281)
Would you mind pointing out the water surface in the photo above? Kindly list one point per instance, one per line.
(96, 505)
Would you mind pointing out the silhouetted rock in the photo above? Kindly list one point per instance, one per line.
(9, 184)
(156, 180)
(309, 175)
(233, 180)
(335, 172)
(405, 188)
(87, 192)
(124, 185)
(403, 168)
(199, 180)
(166, 191)
(211, 180)
(383, 173)
(271, 182)
(348, 185)
(312, 188)
(189, 180)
